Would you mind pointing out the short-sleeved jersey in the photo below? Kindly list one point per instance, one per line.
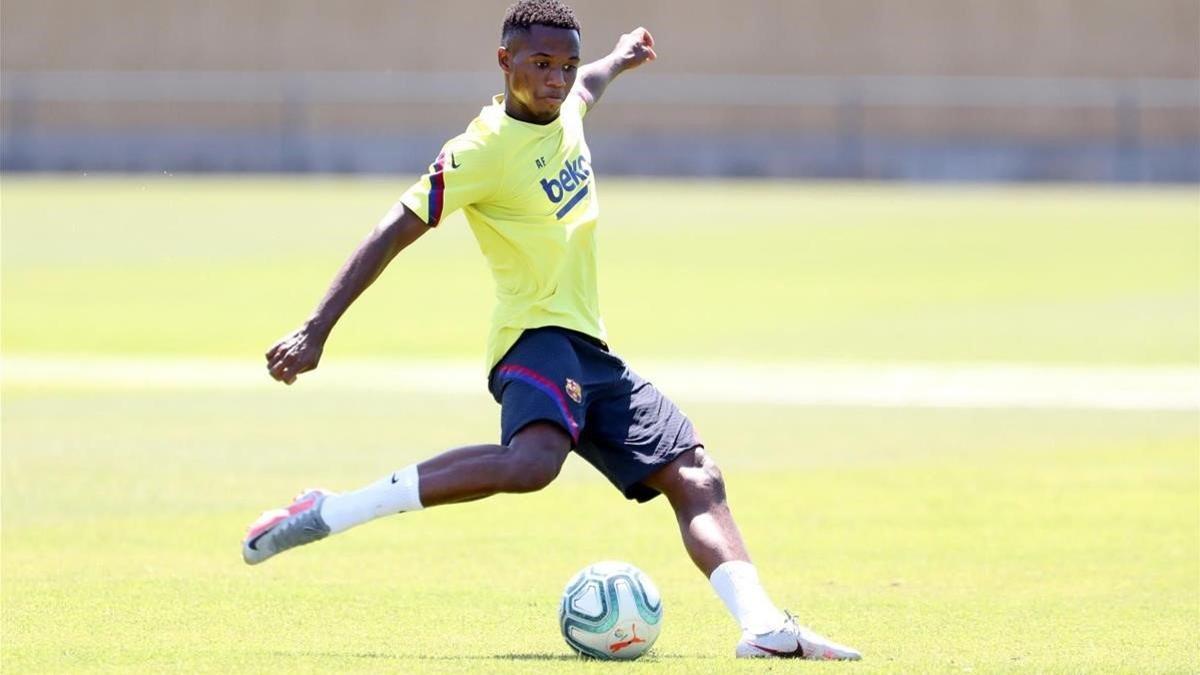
(529, 195)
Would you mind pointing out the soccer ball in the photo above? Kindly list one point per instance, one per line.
(610, 610)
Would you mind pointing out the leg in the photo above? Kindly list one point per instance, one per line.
(696, 490)
(693, 485)
(539, 424)
(541, 418)
(529, 462)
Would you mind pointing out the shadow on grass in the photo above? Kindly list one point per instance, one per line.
(343, 655)
(546, 656)
(543, 656)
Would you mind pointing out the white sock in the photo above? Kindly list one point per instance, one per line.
(736, 582)
(394, 493)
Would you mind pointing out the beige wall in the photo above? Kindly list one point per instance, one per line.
(1103, 38)
(1112, 40)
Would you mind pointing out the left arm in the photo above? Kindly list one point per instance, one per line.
(632, 50)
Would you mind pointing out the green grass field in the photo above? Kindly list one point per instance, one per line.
(934, 540)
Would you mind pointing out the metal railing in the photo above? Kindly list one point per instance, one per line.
(24, 94)
(646, 88)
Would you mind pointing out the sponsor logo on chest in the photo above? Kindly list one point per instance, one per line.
(570, 184)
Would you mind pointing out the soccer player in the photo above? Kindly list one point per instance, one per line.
(522, 174)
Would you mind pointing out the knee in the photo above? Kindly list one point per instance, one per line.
(708, 479)
(530, 471)
(534, 459)
(700, 479)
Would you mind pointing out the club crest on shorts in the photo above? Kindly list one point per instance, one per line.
(574, 390)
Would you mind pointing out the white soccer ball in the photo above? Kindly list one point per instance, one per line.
(610, 610)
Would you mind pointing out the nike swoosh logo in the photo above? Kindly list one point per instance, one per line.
(253, 543)
(453, 165)
(798, 654)
(395, 479)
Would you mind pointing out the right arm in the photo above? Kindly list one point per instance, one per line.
(632, 50)
(300, 351)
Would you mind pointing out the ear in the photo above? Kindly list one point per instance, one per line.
(504, 59)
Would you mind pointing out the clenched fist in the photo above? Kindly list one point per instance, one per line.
(298, 352)
(635, 48)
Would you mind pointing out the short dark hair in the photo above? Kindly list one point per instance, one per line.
(525, 13)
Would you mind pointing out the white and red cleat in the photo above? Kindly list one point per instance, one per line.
(793, 641)
(277, 530)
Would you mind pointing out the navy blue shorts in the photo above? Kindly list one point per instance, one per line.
(620, 423)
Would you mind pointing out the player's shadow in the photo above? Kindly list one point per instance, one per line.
(537, 657)
(532, 656)
(573, 657)
(457, 657)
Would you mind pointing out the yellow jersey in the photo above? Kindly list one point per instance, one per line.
(529, 194)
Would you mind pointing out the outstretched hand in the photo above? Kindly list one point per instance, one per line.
(635, 48)
(298, 352)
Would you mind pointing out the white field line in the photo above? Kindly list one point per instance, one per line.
(788, 383)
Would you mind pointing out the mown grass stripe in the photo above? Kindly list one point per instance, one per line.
(790, 383)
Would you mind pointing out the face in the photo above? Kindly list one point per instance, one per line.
(539, 70)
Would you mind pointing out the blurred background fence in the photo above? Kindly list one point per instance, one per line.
(1091, 90)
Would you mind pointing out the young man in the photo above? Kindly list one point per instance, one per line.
(522, 173)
